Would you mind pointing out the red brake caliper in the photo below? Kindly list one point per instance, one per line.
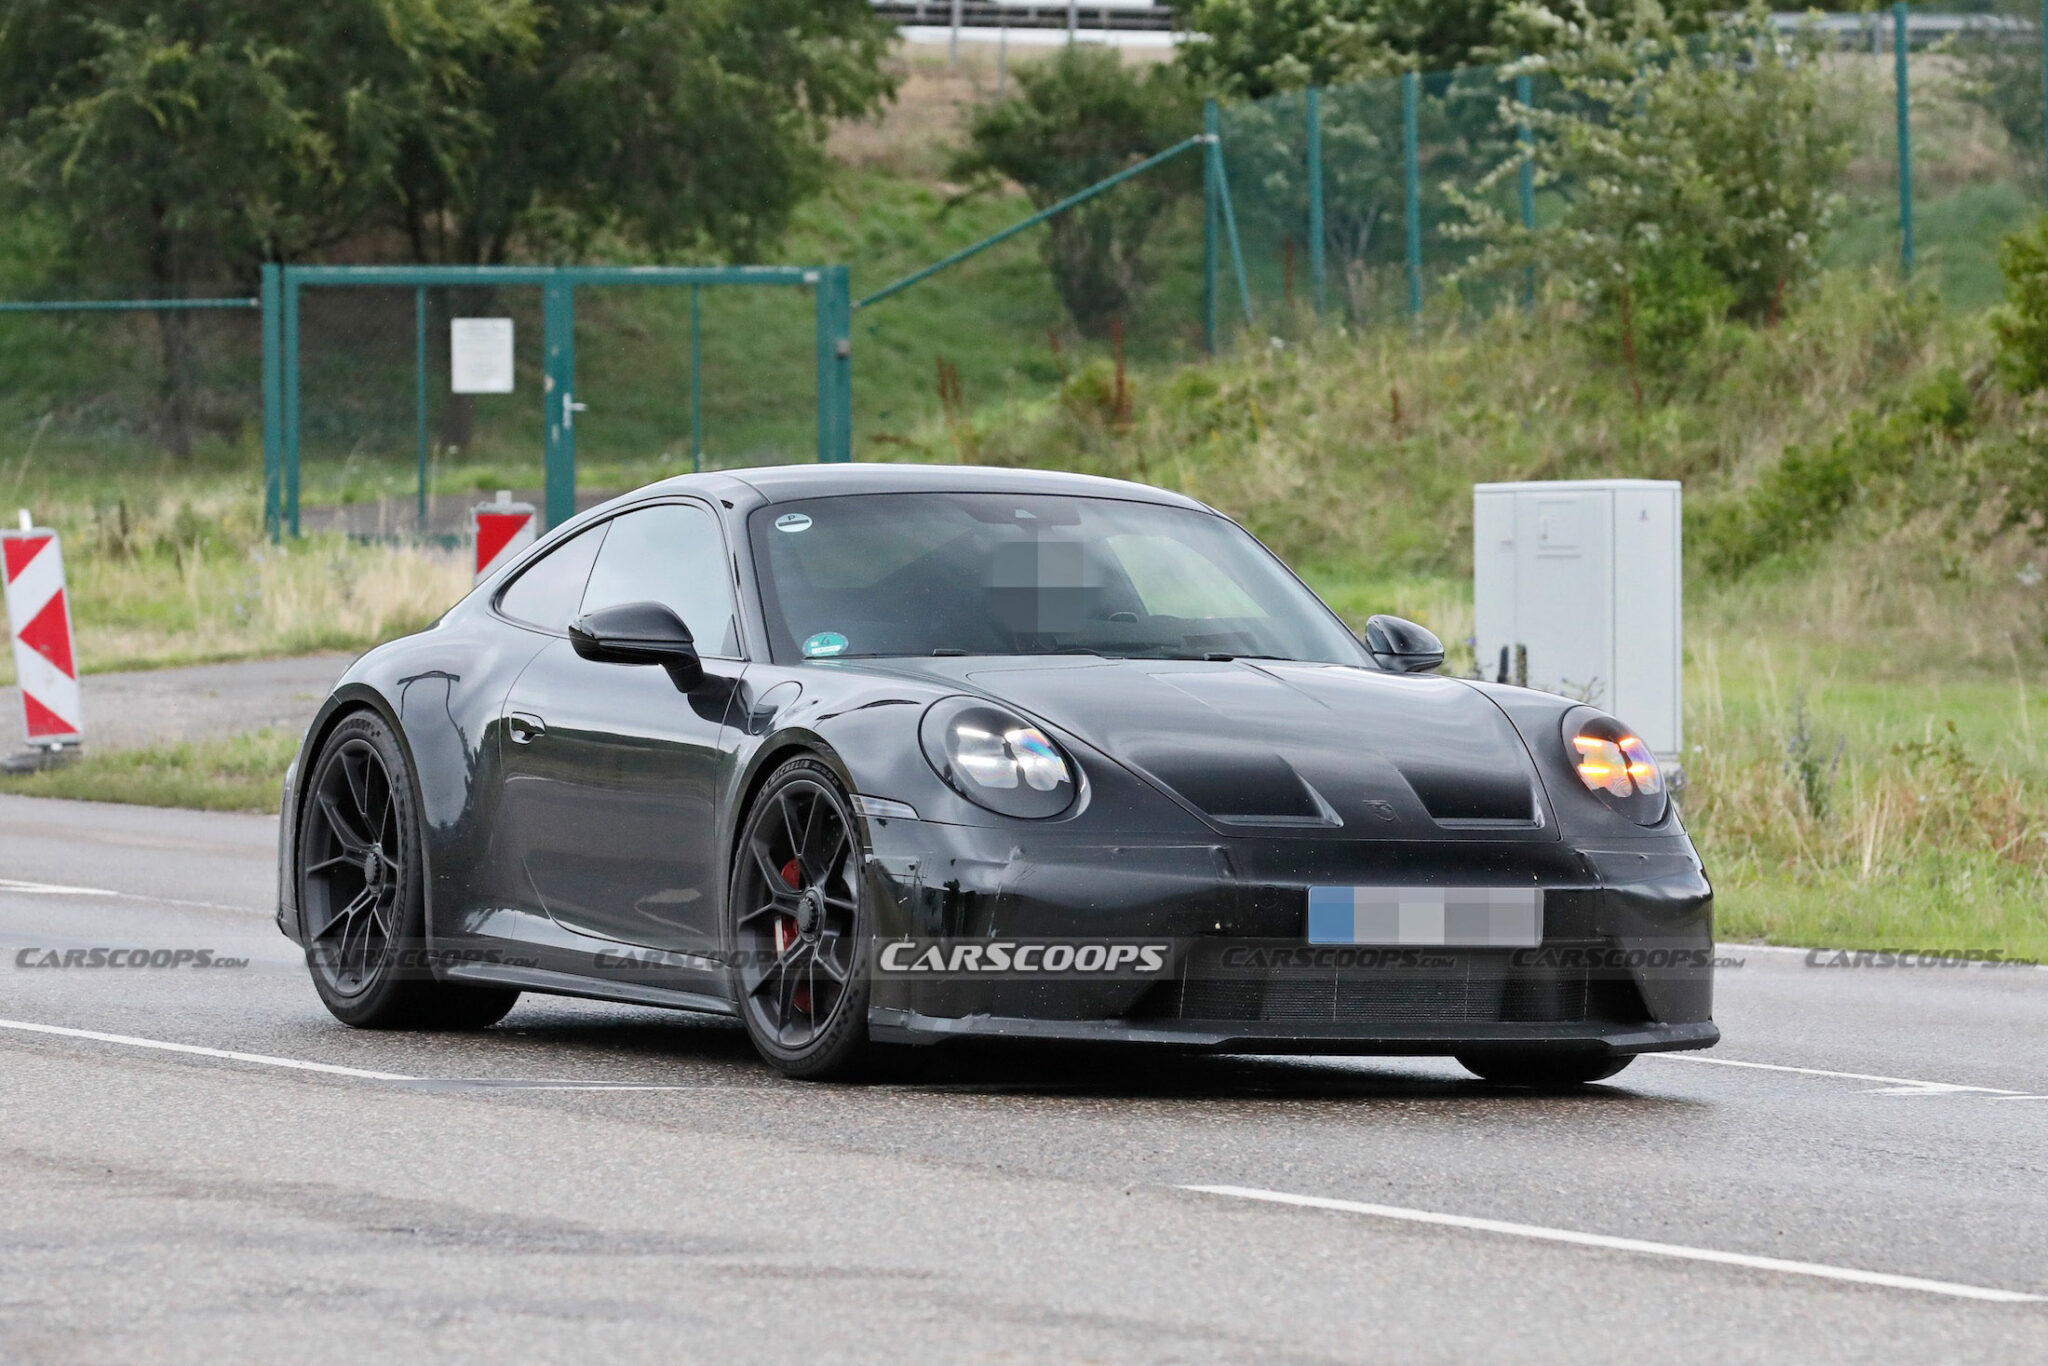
(786, 931)
(785, 925)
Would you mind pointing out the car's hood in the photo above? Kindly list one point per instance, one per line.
(1319, 750)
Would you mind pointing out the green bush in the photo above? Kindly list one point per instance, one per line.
(1673, 302)
(2021, 325)
(1910, 456)
(1079, 119)
(1695, 179)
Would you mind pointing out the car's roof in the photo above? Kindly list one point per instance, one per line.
(785, 483)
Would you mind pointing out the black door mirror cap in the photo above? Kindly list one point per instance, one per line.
(639, 633)
(1402, 646)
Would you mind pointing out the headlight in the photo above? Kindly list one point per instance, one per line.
(1615, 765)
(996, 760)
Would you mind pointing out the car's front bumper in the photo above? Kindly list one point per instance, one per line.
(1625, 964)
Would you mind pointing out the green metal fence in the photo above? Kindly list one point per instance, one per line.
(349, 403)
(1316, 208)
(1342, 192)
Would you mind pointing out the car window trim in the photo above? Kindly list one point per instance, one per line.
(740, 624)
(542, 553)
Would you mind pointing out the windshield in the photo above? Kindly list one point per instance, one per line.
(998, 574)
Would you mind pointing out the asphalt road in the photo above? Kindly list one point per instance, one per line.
(596, 1183)
(144, 707)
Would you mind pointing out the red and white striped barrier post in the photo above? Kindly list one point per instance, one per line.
(39, 613)
(500, 531)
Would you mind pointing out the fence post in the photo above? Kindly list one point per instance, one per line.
(696, 384)
(1209, 127)
(1411, 176)
(835, 366)
(1525, 96)
(558, 396)
(1244, 289)
(1905, 139)
(1315, 196)
(273, 405)
(291, 403)
(419, 386)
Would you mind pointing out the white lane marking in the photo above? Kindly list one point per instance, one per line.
(260, 1059)
(333, 1069)
(1601, 1240)
(1894, 1086)
(17, 886)
(515, 1084)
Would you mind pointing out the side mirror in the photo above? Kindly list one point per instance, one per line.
(639, 633)
(1400, 646)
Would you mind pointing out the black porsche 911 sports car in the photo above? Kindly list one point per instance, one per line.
(880, 754)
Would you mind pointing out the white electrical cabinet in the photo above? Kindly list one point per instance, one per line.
(1577, 590)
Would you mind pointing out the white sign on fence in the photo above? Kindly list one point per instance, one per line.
(480, 355)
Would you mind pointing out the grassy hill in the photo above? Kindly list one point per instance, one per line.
(1867, 737)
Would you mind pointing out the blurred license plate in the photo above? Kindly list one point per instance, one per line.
(1438, 917)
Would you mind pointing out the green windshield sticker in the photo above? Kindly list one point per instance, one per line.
(823, 644)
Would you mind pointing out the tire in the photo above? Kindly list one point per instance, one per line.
(798, 925)
(1546, 1069)
(361, 885)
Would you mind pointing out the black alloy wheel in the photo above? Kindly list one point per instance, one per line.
(797, 924)
(361, 891)
(352, 876)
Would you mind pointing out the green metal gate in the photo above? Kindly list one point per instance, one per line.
(285, 288)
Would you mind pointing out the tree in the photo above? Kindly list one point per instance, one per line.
(1692, 179)
(1253, 48)
(683, 125)
(1079, 119)
(178, 144)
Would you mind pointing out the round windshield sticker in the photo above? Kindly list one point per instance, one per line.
(825, 642)
(794, 521)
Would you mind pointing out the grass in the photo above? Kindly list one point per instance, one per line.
(1863, 705)
(182, 575)
(1864, 710)
(241, 773)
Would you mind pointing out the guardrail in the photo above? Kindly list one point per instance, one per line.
(1874, 29)
(1141, 16)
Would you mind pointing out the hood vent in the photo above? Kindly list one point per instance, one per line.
(1460, 799)
(1241, 789)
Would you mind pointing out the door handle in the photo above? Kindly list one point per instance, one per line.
(523, 727)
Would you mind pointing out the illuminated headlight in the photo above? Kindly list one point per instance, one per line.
(1615, 765)
(995, 759)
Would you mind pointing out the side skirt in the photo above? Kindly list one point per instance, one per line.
(569, 984)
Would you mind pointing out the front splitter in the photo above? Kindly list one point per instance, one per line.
(1236, 1036)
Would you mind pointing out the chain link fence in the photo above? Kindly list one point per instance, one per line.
(1341, 203)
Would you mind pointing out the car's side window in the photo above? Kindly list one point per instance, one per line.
(672, 554)
(547, 591)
